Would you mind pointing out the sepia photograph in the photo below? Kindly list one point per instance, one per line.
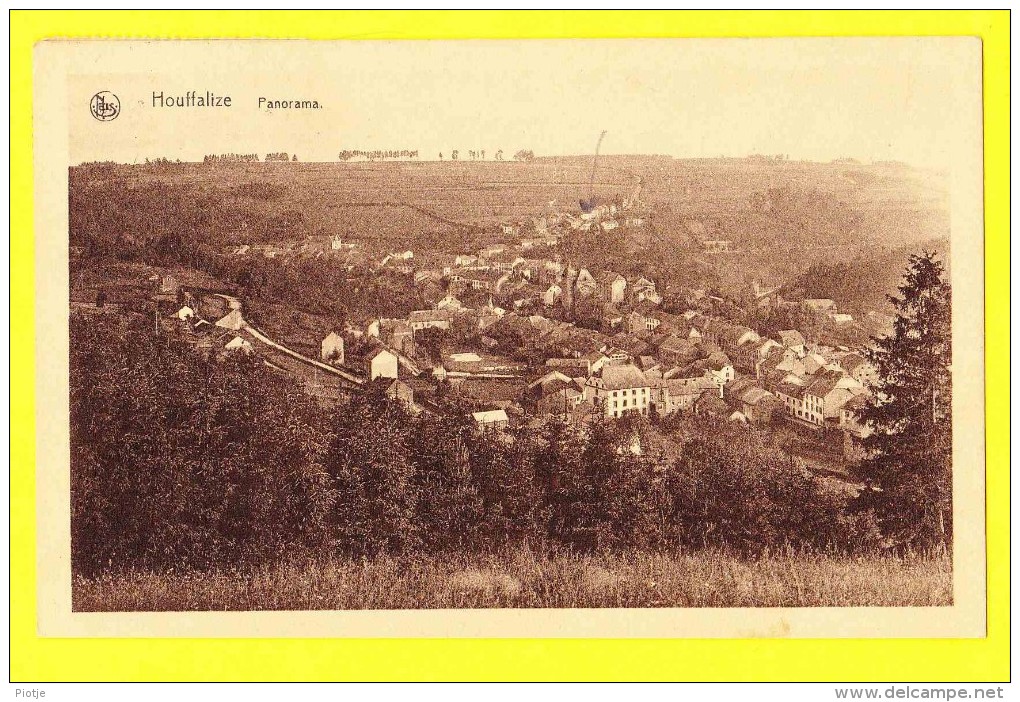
(549, 325)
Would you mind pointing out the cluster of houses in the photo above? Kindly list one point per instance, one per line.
(222, 335)
(695, 363)
(635, 358)
(309, 247)
(643, 360)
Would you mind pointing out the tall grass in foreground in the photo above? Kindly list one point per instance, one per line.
(523, 579)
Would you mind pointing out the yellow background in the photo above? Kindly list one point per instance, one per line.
(38, 659)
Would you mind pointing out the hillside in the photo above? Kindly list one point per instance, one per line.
(861, 283)
(780, 216)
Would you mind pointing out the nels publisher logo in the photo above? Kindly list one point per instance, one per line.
(105, 106)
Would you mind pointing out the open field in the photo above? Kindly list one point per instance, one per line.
(522, 579)
(385, 200)
(382, 205)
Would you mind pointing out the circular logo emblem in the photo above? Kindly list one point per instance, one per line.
(105, 106)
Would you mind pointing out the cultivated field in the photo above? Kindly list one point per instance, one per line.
(521, 579)
(387, 200)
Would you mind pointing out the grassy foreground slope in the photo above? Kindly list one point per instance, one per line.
(522, 579)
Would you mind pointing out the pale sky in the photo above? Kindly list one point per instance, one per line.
(817, 99)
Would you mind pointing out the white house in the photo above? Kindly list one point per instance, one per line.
(612, 285)
(492, 419)
(722, 374)
(643, 289)
(793, 340)
(185, 313)
(719, 368)
(449, 302)
(585, 283)
(233, 320)
(550, 296)
(381, 363)
(333, 349)
(621, 389)
(238, 344)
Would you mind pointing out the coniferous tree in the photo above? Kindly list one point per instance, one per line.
(908, 468)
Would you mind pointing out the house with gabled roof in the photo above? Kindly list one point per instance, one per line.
(238, 344)
(684, 392)
(793, 340)
(332, 349)
(825, 394)
(232, 320)
(541, 385)
(648, 363)
(754, 402)
(449, 302)
(716, 365)
(619, 389)
(612, 286)
(677, 351)
(762, 350)
(380, 363)
(425, 319)
(585, 283)
(643, 290)
(792, 397)
(814, 362)
(860, 369)
(491, 420)
(596, 360)
(711, 404)
(736, 336)
(713, 330)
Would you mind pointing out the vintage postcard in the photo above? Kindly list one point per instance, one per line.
(565, 338)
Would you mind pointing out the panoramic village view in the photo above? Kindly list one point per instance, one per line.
(489, 379)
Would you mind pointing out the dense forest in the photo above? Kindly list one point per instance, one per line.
(167, 223)
(860, 284)
(788, 218)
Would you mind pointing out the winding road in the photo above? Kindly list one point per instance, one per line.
(235, 304)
